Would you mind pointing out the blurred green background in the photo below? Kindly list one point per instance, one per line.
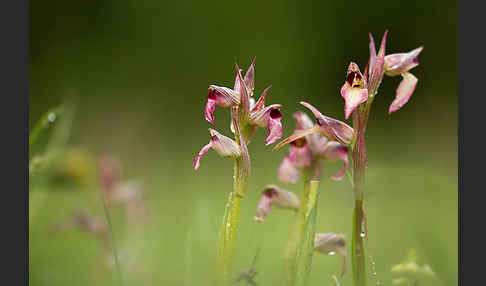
(138, 72)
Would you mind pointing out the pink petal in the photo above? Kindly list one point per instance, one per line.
(302, 121)
(353, 97)
(273, 195)
(274, 126)
(209, 110)
(404, 91)
(354, 90)
(224, 146)
(261, 101)
(335, 151)
(263, 208)
(376, 65)
(333, 129)
(300, 155)
(223, 96)
(242, 92)
(250, 77)
(287, 172)
(203, 151)
(297, 135)
(399, 63)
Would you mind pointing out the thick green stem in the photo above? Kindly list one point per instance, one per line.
(359, 166)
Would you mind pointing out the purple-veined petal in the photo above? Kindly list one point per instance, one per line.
(399, 63)
(209, 110)
(274, 126)
(331, 128)
(287, 171)
(221, 96)
(404, 91)
(297, 135)
(336, 151)
(260, 104)
(354, 90)
(260, 117)
(242, 92)
(224, 146)
(236, 86)
(203, 151)
(376, 65)
(250, 78)
(273, 195)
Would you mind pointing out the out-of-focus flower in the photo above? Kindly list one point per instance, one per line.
(275, 196)
(308, 145)
(354, 90)
(224, 146)
(400, 64)
(409, 269)
(84, 221)
(330, 244)
(109, 172)
(127, 193)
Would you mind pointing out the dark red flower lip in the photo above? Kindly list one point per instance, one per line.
(275, 113)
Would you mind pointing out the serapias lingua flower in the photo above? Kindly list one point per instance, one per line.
(354, 90)
(255, 114)
(224, 146)
(332, 129)
(275, 196)
(312, 147)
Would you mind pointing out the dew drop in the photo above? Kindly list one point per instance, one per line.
(331, 253)
(51, 117)
(362, 234)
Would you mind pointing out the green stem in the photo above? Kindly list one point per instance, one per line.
(231, 219)
(112, 239)
(359, 166)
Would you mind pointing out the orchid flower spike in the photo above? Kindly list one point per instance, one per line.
(226, 97)
(280, 198)
(224, 146)
(400, 64)
(354, 90)
(304, 150)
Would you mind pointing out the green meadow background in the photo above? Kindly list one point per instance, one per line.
(137, 73)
